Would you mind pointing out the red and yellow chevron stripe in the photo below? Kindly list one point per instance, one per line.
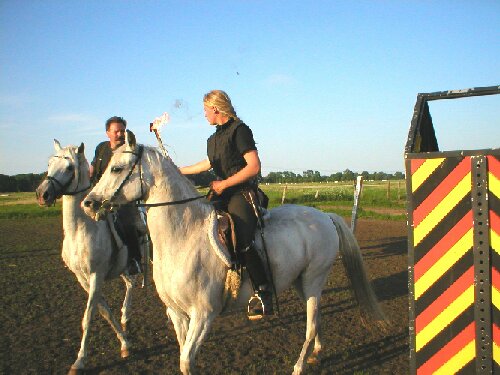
(442, 200)
(454, 355)
(494, 221)
(443, 273)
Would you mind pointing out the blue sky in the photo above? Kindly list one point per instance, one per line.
(324, 85)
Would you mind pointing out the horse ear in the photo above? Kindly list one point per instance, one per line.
(57, 145)
(130, 139)
(81, 148)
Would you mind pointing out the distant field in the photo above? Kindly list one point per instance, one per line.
(379, 199)
(19, 205)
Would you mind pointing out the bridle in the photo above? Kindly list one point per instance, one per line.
(108, 205)
(56, 185)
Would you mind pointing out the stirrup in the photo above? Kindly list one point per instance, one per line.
(258, 308)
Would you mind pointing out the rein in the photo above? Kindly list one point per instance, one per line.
(78, 191)
(171, 203)
(107, 204)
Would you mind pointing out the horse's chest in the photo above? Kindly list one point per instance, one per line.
(75, 253)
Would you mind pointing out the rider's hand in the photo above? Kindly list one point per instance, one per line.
(218, 186)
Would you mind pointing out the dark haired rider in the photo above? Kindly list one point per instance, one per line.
(127, 215)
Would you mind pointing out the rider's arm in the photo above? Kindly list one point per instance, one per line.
(201, 166)
(251, 170)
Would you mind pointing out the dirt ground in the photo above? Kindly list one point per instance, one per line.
(41, 306)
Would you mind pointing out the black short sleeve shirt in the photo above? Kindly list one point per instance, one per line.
(243, 139)
(226, 147)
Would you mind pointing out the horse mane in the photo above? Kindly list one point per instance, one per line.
(156, 158)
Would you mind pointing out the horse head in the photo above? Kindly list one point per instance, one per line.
(67, 174)
(120, 183)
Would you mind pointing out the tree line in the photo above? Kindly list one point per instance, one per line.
(20, 182)
(29, 182)
(315, 176)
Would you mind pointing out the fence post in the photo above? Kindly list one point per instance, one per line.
(283, 196)
(357, 194)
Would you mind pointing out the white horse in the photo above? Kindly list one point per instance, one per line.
(88, 249)
(189, 267)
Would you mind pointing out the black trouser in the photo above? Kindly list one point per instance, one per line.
(245, 224)
(127, 216)
(245, 221)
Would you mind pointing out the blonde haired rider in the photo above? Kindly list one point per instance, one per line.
(233, 156)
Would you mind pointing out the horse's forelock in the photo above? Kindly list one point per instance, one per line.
(79, 158)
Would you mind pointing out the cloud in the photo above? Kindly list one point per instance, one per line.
(279, 80)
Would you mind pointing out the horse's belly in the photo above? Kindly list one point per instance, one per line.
(298, 239)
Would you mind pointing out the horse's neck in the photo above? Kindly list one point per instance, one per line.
(170, 186)
(73, 214)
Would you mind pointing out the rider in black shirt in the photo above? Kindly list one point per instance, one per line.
(127, 215)
(233, 156)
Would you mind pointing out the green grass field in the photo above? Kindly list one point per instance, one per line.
(24, 205)
(379, 200)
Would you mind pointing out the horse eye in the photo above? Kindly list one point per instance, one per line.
(116, 169)
(69, 167)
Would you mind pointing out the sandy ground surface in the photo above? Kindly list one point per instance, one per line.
(42, 306)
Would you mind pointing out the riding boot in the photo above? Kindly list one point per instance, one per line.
(130, 236)
(261, 303)
(134, 259)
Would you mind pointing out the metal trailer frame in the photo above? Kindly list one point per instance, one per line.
(453, 213)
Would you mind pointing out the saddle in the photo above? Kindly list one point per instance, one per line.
(227, 237)
(225, 223)
(133, 235)
(226, 233)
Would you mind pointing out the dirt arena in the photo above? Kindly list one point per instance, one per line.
(42, 306)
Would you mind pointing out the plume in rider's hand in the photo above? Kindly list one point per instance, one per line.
(158, 122)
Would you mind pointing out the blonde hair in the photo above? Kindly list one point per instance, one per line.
(219, 99)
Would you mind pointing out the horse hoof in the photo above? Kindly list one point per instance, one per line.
(313, 360)
(125, 353)
(76, 371)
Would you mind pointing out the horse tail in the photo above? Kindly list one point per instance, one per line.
(356, 272)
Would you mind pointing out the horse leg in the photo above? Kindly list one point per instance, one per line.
(311, 333)
(314, 358)
(125, 319)
(181, 325)
(106, 314)
(199, 325)
(94, 287)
